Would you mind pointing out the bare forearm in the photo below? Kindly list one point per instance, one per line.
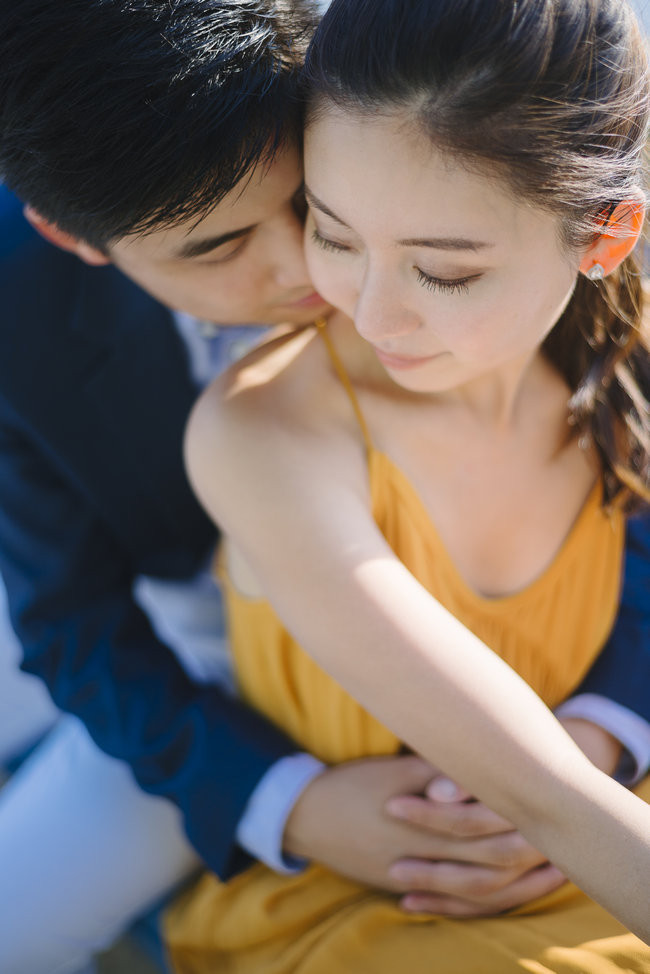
(460, 706)
(364, 618)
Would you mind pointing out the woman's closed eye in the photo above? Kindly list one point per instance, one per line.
(458, 285)
(326, 244)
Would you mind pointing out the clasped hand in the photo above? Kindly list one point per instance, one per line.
(399, 825)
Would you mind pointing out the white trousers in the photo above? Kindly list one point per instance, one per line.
(83, 851)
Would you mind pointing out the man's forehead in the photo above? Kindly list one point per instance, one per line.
(253, 200)
(181, 240)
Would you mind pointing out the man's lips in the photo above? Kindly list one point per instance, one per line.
(311, 300)
(393, 361)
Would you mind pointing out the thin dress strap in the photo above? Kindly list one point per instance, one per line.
(339, 368)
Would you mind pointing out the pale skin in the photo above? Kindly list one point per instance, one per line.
(242, 263)
(447, 365)
(465, 859)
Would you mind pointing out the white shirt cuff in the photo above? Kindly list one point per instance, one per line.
(627, 727)
(261, 828)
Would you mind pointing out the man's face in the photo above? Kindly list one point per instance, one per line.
(242, 263)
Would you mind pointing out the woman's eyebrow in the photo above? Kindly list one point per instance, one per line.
(319, 205)
(436, 243)
(445, 243)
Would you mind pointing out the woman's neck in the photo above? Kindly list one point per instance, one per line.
(494, 400)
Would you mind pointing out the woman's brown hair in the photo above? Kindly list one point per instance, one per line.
(553, 95)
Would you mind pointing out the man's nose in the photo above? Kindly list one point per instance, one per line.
(290, 265)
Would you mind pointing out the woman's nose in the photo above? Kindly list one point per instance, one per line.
(380, 314)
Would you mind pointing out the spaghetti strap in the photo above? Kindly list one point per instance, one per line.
(339, 368)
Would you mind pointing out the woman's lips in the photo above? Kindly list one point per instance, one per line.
(392, 361)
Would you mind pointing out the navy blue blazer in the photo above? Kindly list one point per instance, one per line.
(94, 394)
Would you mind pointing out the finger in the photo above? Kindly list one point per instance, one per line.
(465, 880)
(508, 851)
(443, 789)
(432, 903)
(413, 771)
(461, 819)
(536, 883)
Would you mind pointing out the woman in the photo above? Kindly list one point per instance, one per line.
(474, 177)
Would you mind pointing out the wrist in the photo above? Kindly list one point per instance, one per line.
(261, 829)
(602, 748)
(297, 838)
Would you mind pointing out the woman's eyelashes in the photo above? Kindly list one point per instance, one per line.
(326, 244)
(458, 285)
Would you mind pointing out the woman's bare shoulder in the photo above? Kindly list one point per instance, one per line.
(263, 383)
(264, 404)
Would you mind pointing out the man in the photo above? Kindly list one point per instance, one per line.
(156, 142)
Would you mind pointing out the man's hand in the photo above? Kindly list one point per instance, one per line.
(486, 866)
(399, 825)
(480, 888)
(364, 820)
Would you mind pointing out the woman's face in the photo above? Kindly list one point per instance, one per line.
(444, 272)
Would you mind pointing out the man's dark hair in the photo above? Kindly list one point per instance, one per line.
(122, 116)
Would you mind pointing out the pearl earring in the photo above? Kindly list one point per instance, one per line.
(596, 272)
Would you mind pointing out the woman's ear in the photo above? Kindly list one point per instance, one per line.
(66, 241)
(618, 238)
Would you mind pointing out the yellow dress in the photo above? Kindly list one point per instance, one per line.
(320, 923)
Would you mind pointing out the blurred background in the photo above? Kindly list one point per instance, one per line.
(26, 706)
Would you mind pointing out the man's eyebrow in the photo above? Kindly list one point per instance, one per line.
(436, 243)
(199, 247)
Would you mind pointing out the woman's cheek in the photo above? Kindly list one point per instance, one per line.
(480, 330)
(329, 282)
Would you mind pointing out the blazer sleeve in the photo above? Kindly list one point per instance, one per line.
(622, 671)
(69, 587)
